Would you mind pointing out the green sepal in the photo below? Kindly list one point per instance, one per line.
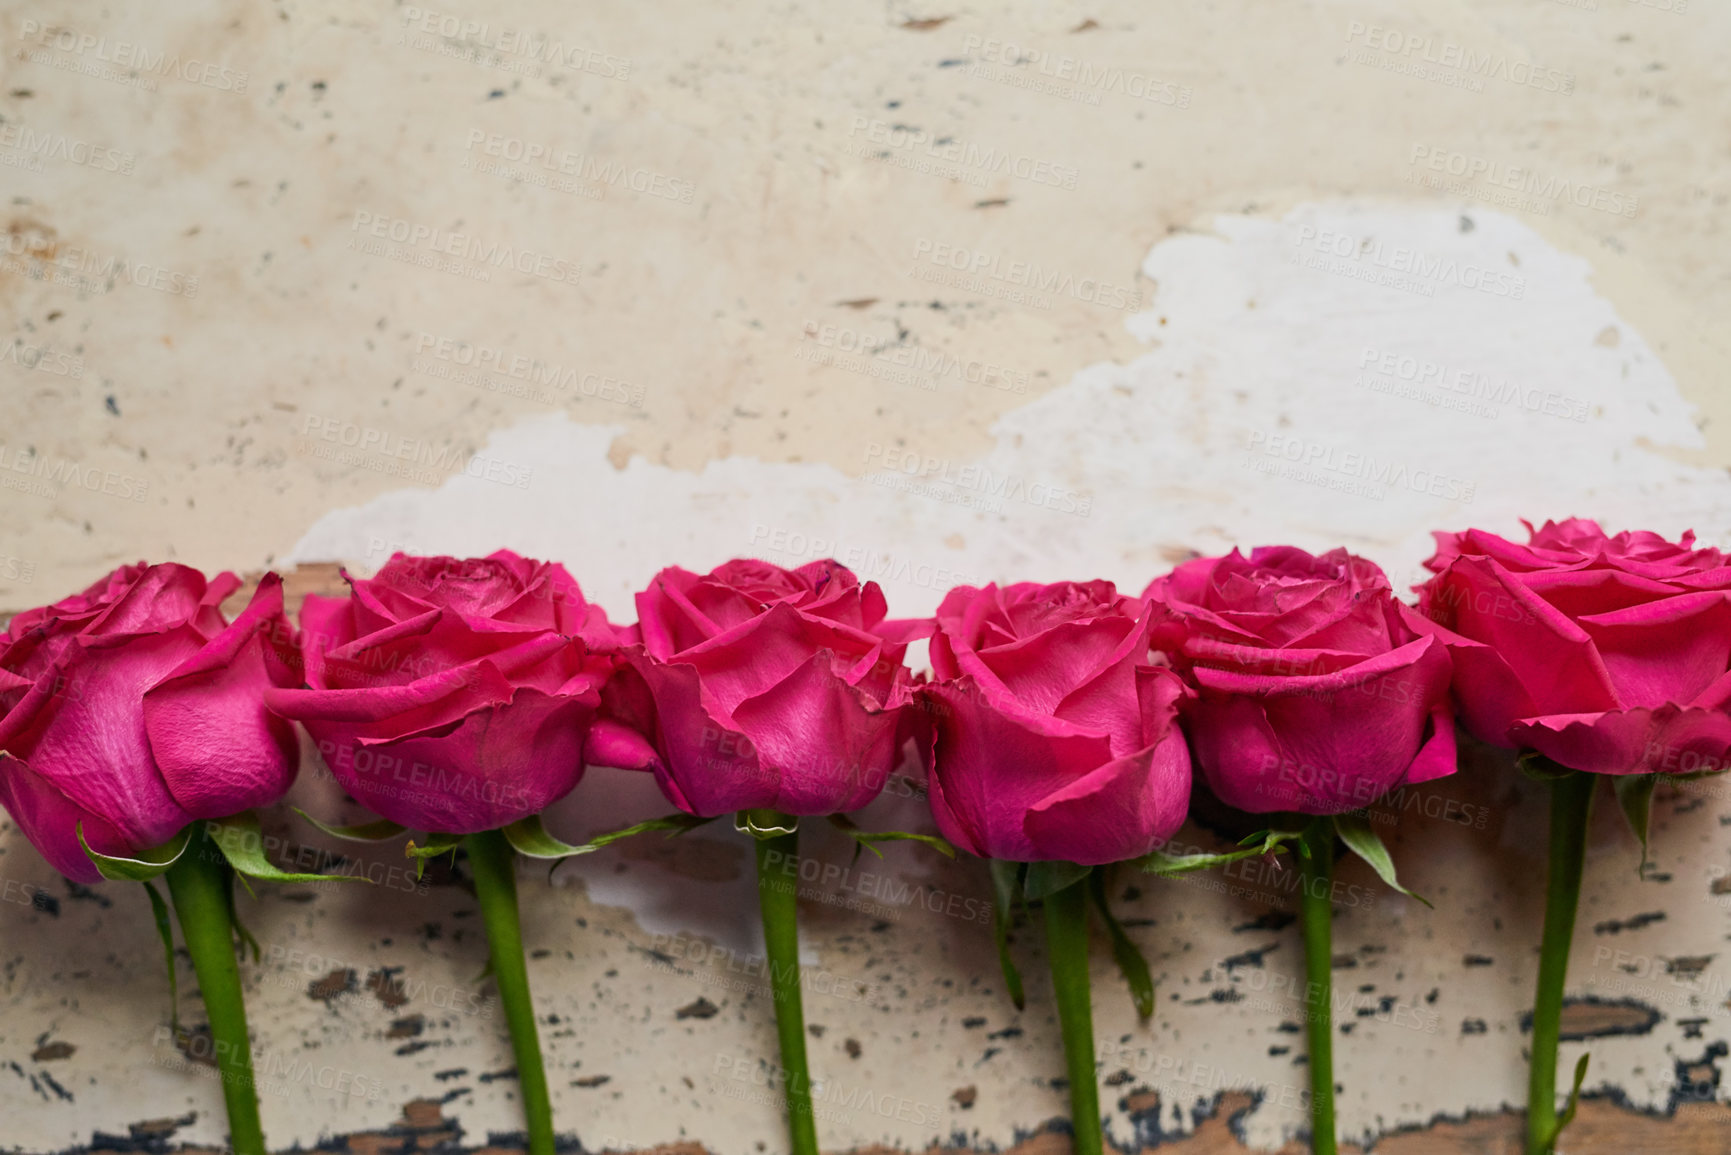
(148, 865)
(1006, 889)
(240, 931)
(1540, 768)
(764, 824)
(528, 837)
(1253, 846)
(1635, 796)
(159, 911)
(1048, 878)
(863, 839)
(1355, 831)
(436, 845)
(1568, 1115)
(1130, 960)
(242, 843)
(380, 831)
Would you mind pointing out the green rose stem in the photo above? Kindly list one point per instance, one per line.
(493, 863)
(1067, 947)
(779, 899)
(201, 884)
(1315, 905)
(1571, 803)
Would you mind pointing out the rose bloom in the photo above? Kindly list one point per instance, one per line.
(135, 707)
(1606, 654)
(1316, 691)
(453, 695)
(758, 687)
(1052, 735)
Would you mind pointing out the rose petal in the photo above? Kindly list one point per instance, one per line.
(86, 732)
(666, 617)
(494, 766)
(1123, 809)
(1663, 740)
(617, 745)
(704, 765)
(1320, 745)
(165, 597)
(991, 768)
(1044, 668)
(760, 653)
(50, 820)
(826, 745)
(1553, 657)
(216, 745)
(1664, 651)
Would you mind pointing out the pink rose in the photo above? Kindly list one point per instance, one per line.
(1315, 691)
(135, 707)
(1052, 735)
(453, 695)
(1606, 654)
(756, 687)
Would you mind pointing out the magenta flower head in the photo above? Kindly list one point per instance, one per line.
(1052, 736)
(1315, 690)
(757, 687)
(453, 695)
(1605, 654)
(135, 707)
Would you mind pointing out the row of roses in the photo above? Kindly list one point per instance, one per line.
(1056, 732)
